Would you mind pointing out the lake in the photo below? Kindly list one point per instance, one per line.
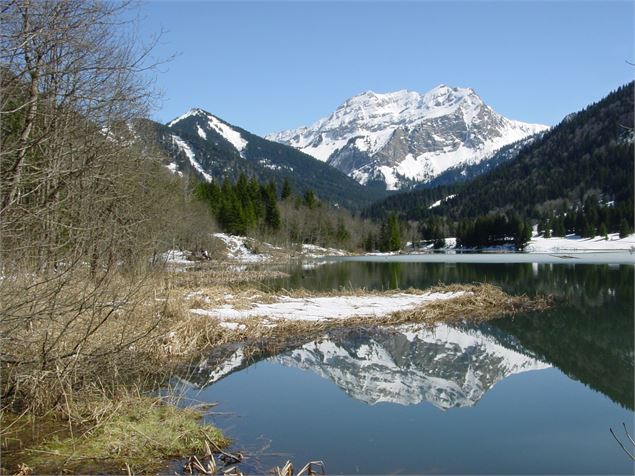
(529, 394)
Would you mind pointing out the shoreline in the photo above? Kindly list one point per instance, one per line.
(187, 337)
(564, 257)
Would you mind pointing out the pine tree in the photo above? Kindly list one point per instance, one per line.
(589, 230)
(384, 238)
(558, 227)
(370, 242)
(286, 189)
(272, 214)
(394, 236)
(547, 230)
(625, 230)
(309, 199)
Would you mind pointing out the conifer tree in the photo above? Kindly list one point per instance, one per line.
(558, 227)
(309, 199)
(286, 189)
(384, 238)
(272, 214)
(394, 235)
(341, 234)
(370, 242)
(547, 230)
(625, 230)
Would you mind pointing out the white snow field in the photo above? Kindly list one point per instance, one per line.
(328, 307)
(574, 243)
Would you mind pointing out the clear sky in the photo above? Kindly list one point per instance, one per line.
(267, 66)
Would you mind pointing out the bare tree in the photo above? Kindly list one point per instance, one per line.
(79, 199)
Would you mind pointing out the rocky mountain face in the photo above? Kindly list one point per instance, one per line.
(201, 144)
(445, 366)
(396, 140)
(465, 172)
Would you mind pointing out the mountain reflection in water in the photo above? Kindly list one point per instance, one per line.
(446, 366)
(442, 400)
(408, 364)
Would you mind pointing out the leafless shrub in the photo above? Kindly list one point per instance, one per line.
(81, 204)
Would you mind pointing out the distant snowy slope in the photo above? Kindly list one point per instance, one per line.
(206, 123)
(404, 137)
(199, 143)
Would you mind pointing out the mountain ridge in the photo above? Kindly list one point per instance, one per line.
(202, 144)
(404, 137)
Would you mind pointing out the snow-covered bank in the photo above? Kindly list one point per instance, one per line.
(314, 251)
(176, 257)
(574, 243)
(240, 248)
(249, 250)
(242, 251)
(328, 307)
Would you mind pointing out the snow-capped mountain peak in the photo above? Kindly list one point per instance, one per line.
(192, 112)
(404, 137)
(206, 123)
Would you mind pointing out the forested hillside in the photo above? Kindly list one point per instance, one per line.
(466, 172)
(590, 152)
(412, 205)
(576, 178)
(249, 208)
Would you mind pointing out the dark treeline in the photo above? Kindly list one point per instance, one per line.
(414, 205)
(493, 230)
(242, 207)
(248, 207)
(592, 219)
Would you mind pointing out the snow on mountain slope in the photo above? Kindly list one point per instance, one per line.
(187, 150)
(405, 137)
(446, 366)
(206, 122)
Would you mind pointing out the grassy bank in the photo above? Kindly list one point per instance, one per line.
(84, 405)
(135, 433)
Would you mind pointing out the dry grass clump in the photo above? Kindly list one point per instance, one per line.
(81, 364)
(59, 335)
(221, 273)
(476, 303)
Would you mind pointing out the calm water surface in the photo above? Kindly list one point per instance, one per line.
(533, 394)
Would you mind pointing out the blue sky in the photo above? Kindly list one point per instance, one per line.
(268, 66)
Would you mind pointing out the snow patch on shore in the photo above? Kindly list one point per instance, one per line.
(237, 249)
(539, 244)
(329, 307)
(314, 251)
